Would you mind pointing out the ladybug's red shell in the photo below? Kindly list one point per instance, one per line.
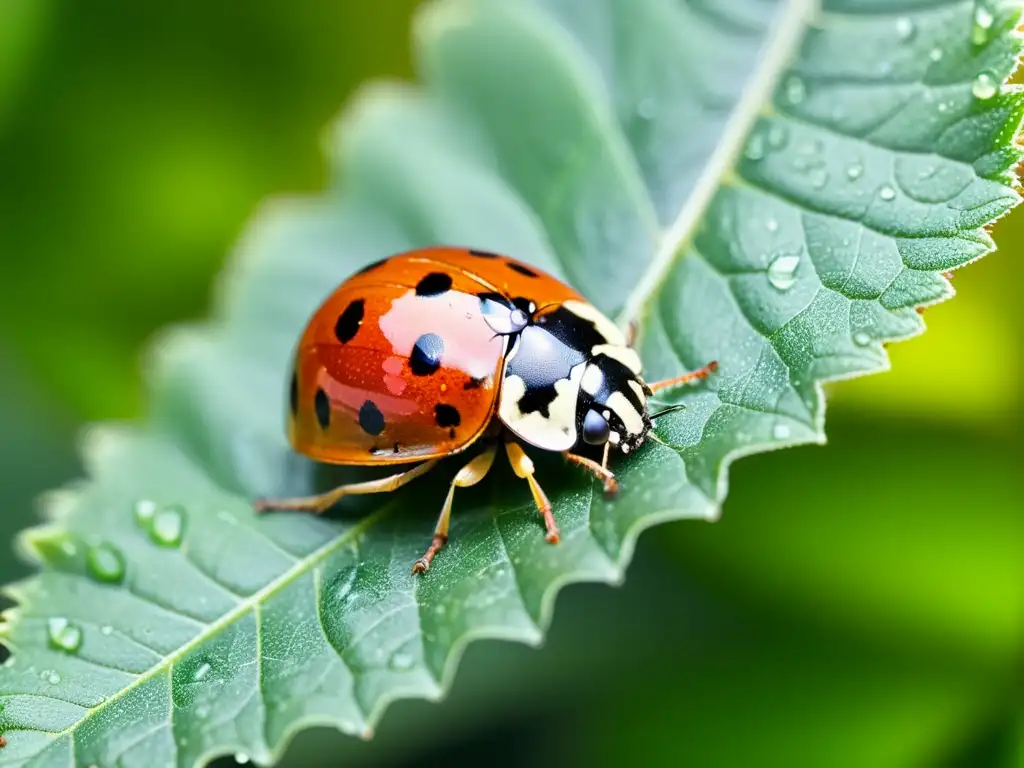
(400, 364)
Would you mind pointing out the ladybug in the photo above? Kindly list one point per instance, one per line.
(431, 352)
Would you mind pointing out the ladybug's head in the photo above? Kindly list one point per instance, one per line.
(612, 406)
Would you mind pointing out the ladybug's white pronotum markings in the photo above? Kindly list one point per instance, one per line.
(429, 353)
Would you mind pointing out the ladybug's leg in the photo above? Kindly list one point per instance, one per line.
(522, 465)
(324, 501)
(471, 474)
(602, 473)
(686, 378)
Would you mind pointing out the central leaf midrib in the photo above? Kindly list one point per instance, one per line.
(785, 36)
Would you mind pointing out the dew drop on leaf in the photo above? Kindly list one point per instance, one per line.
(50, 676)
(168, 527)
(63, 635)
(202, 672)
(755, 147)
(106, 630)
(905, 27)
(144, 511)
(982, 24)
(781, 432)
(854, 171)
(796, 91)
(935, 54)
(401, 662)
(985, 86)
(861, 339)
(777, 137)
(887, 193)
(782, 272)
(105, 563)
(819, 178)
(771, 225)
(241, 758)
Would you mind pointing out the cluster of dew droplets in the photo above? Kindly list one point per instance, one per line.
(165, 526)
(105, 563)
(986, 83)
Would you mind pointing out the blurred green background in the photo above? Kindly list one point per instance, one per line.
(860, 604)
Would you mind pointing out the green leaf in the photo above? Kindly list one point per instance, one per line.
(774, 185)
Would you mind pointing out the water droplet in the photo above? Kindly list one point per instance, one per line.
(887, 193)
(168, 527)
(982, 24)
(782, 272)
(811, 147)
(796, 91)
(343, 583)
(107, 630)
(861, 339)
(905, 27)
(777, 137)
(401, 662)
(241, 758)
(985, 86)
(935, 54)
(67, 546)
(771, 225)
(819, 178)
(50, 676)
(755, 147)
(943, 106)
(144, 511)
(105, 563)
(854, 171)
(202, 672)
(64, 636)
(781, 432)
(647, 108)
(885, 67)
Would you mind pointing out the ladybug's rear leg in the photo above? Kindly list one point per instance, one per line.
(471, 474)
(522, 465)
(324, 501)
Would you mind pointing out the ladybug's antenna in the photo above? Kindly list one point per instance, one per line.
(667, 410)
(654, 436)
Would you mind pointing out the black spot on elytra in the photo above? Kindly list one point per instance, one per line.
(474, 383)
(293, 393)
(538, 399)
(394, 448)
(426, 354)
(349, 321)
(372, 266)
(447, 415)
(451, 433)
(322, 406)
(521, 269)
(483, 254)
(434, 284)
(371, 420)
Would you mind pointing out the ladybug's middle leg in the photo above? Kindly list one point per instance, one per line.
(324, 501)
(471, 474)
(522, 465)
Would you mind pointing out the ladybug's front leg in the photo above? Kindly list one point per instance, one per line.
(686, 378)
(602, 473)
